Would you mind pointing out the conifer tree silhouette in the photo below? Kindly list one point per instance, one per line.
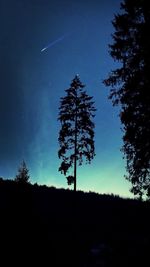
(76, 137)
(22, 176)
(130, 84)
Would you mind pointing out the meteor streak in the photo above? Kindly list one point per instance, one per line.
(53, 43)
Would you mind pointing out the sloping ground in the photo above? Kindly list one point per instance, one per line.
(55, 227)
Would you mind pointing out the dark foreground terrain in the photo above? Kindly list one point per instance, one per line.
(41, 226)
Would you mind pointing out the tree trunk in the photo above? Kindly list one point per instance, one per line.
(75, 174)
(75, 153)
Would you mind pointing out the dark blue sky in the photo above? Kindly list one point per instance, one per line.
(32, 83)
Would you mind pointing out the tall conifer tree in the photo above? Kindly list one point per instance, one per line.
(130, 86)
(76, 137)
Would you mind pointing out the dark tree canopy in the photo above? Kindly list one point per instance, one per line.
(76, 137)
(22, 176)
(130, 85)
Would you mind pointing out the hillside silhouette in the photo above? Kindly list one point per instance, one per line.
(57, 227)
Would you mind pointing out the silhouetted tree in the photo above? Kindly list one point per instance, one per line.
(130, 84)
(76, 137)
(22, 176)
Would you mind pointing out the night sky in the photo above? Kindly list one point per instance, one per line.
(78, 33)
